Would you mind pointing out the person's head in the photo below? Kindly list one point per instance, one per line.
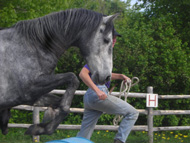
(115, 34)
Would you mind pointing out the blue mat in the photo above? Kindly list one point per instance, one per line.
(72, 140)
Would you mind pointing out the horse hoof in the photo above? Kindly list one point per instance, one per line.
(4, 132)
(34, 130)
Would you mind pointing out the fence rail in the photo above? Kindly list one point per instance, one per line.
(148, 111)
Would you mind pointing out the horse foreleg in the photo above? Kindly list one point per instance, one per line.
(64, 108)
(4, 120)
(48, 100)
(52, 102)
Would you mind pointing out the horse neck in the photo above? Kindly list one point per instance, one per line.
(44, 36)
(54, 34)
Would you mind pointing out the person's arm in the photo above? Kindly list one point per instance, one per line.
(116, 76)
(84, 75)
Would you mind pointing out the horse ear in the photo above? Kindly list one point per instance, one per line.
(110, 18)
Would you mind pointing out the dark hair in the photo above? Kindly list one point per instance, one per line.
(56, 28)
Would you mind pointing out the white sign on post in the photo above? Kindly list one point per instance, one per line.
(152, 100)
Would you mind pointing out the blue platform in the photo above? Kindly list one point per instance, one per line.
(72, 140)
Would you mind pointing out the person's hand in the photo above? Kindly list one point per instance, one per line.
(126, 79)
(101, 95)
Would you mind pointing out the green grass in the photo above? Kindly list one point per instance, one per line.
(17, 136)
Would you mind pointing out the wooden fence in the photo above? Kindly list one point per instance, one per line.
(148, 111)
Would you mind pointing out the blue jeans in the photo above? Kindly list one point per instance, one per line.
(111, 105)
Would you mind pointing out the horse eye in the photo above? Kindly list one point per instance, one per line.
(101, 31)
(106, 40)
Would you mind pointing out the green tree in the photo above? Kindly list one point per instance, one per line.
(176, 11)
(150, 50)
(12, 11)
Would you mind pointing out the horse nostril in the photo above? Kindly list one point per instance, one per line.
(108, 78)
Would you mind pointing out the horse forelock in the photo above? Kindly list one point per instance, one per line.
(59, 30)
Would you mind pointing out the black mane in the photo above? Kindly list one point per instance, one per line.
(54, 29)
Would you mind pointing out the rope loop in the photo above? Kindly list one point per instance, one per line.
(124, 89)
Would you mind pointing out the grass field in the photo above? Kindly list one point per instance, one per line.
(17, 136)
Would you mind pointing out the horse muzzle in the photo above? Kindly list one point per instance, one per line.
(100, 79)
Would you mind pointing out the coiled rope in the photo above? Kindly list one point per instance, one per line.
(124, 89)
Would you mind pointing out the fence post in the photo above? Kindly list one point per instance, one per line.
(150, 117)
(36, 120)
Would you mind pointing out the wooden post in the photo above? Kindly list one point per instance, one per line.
(150, 117)
(36, 120)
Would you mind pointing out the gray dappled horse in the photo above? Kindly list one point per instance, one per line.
(29, 52)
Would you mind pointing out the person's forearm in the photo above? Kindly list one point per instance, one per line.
(88, 81)
(116, 76)
(84, 75)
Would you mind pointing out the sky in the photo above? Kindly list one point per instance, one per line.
(133, 2)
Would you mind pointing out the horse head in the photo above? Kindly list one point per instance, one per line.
(98, 51)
